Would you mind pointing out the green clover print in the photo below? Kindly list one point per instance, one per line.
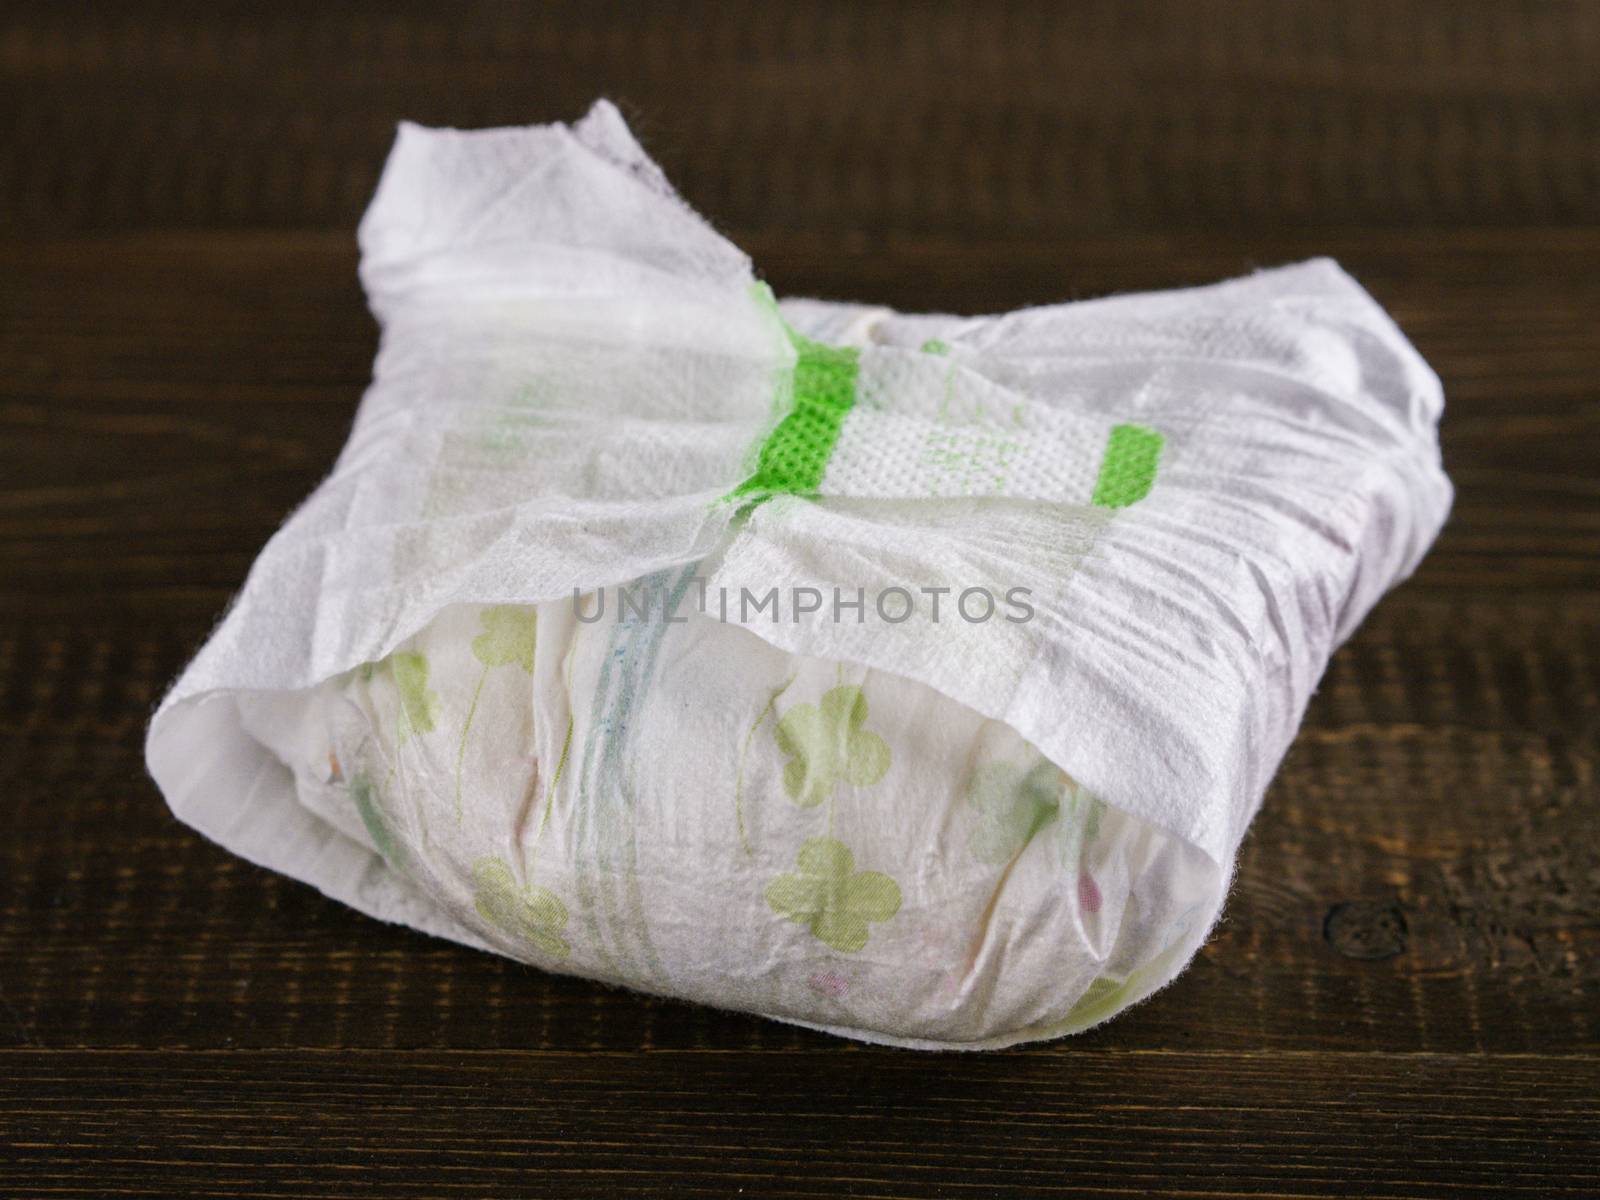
(828, 894)
(532, 915)
(827, 744)
(419, 704)
(510, 636)
(1013, 803)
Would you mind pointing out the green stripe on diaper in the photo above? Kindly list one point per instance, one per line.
(796, 452)
(1128, 470)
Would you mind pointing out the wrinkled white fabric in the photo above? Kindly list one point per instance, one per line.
(933, 833)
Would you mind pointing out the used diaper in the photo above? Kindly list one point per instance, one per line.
(909, 677)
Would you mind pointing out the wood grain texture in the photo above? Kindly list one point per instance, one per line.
(818, 1123)
(911, 116)
(1404, 996)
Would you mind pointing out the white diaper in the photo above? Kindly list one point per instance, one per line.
(1149, 520)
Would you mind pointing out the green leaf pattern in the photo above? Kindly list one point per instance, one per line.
(1012, 804)
(828, 895)
(419, 704)
(531, 915)
(827, 745)
(510, 635)
(365, 797)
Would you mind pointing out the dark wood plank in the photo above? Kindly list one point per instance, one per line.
(910, 116)
(864, 1123)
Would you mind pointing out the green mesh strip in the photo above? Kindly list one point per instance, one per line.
(796, 452)
(1128, 469)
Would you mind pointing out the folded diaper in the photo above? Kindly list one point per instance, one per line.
(909, 677)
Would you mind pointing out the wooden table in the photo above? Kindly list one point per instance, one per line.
(1404, 996)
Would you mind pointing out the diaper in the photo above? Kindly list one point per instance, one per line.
(689, 810)
(913, 678)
